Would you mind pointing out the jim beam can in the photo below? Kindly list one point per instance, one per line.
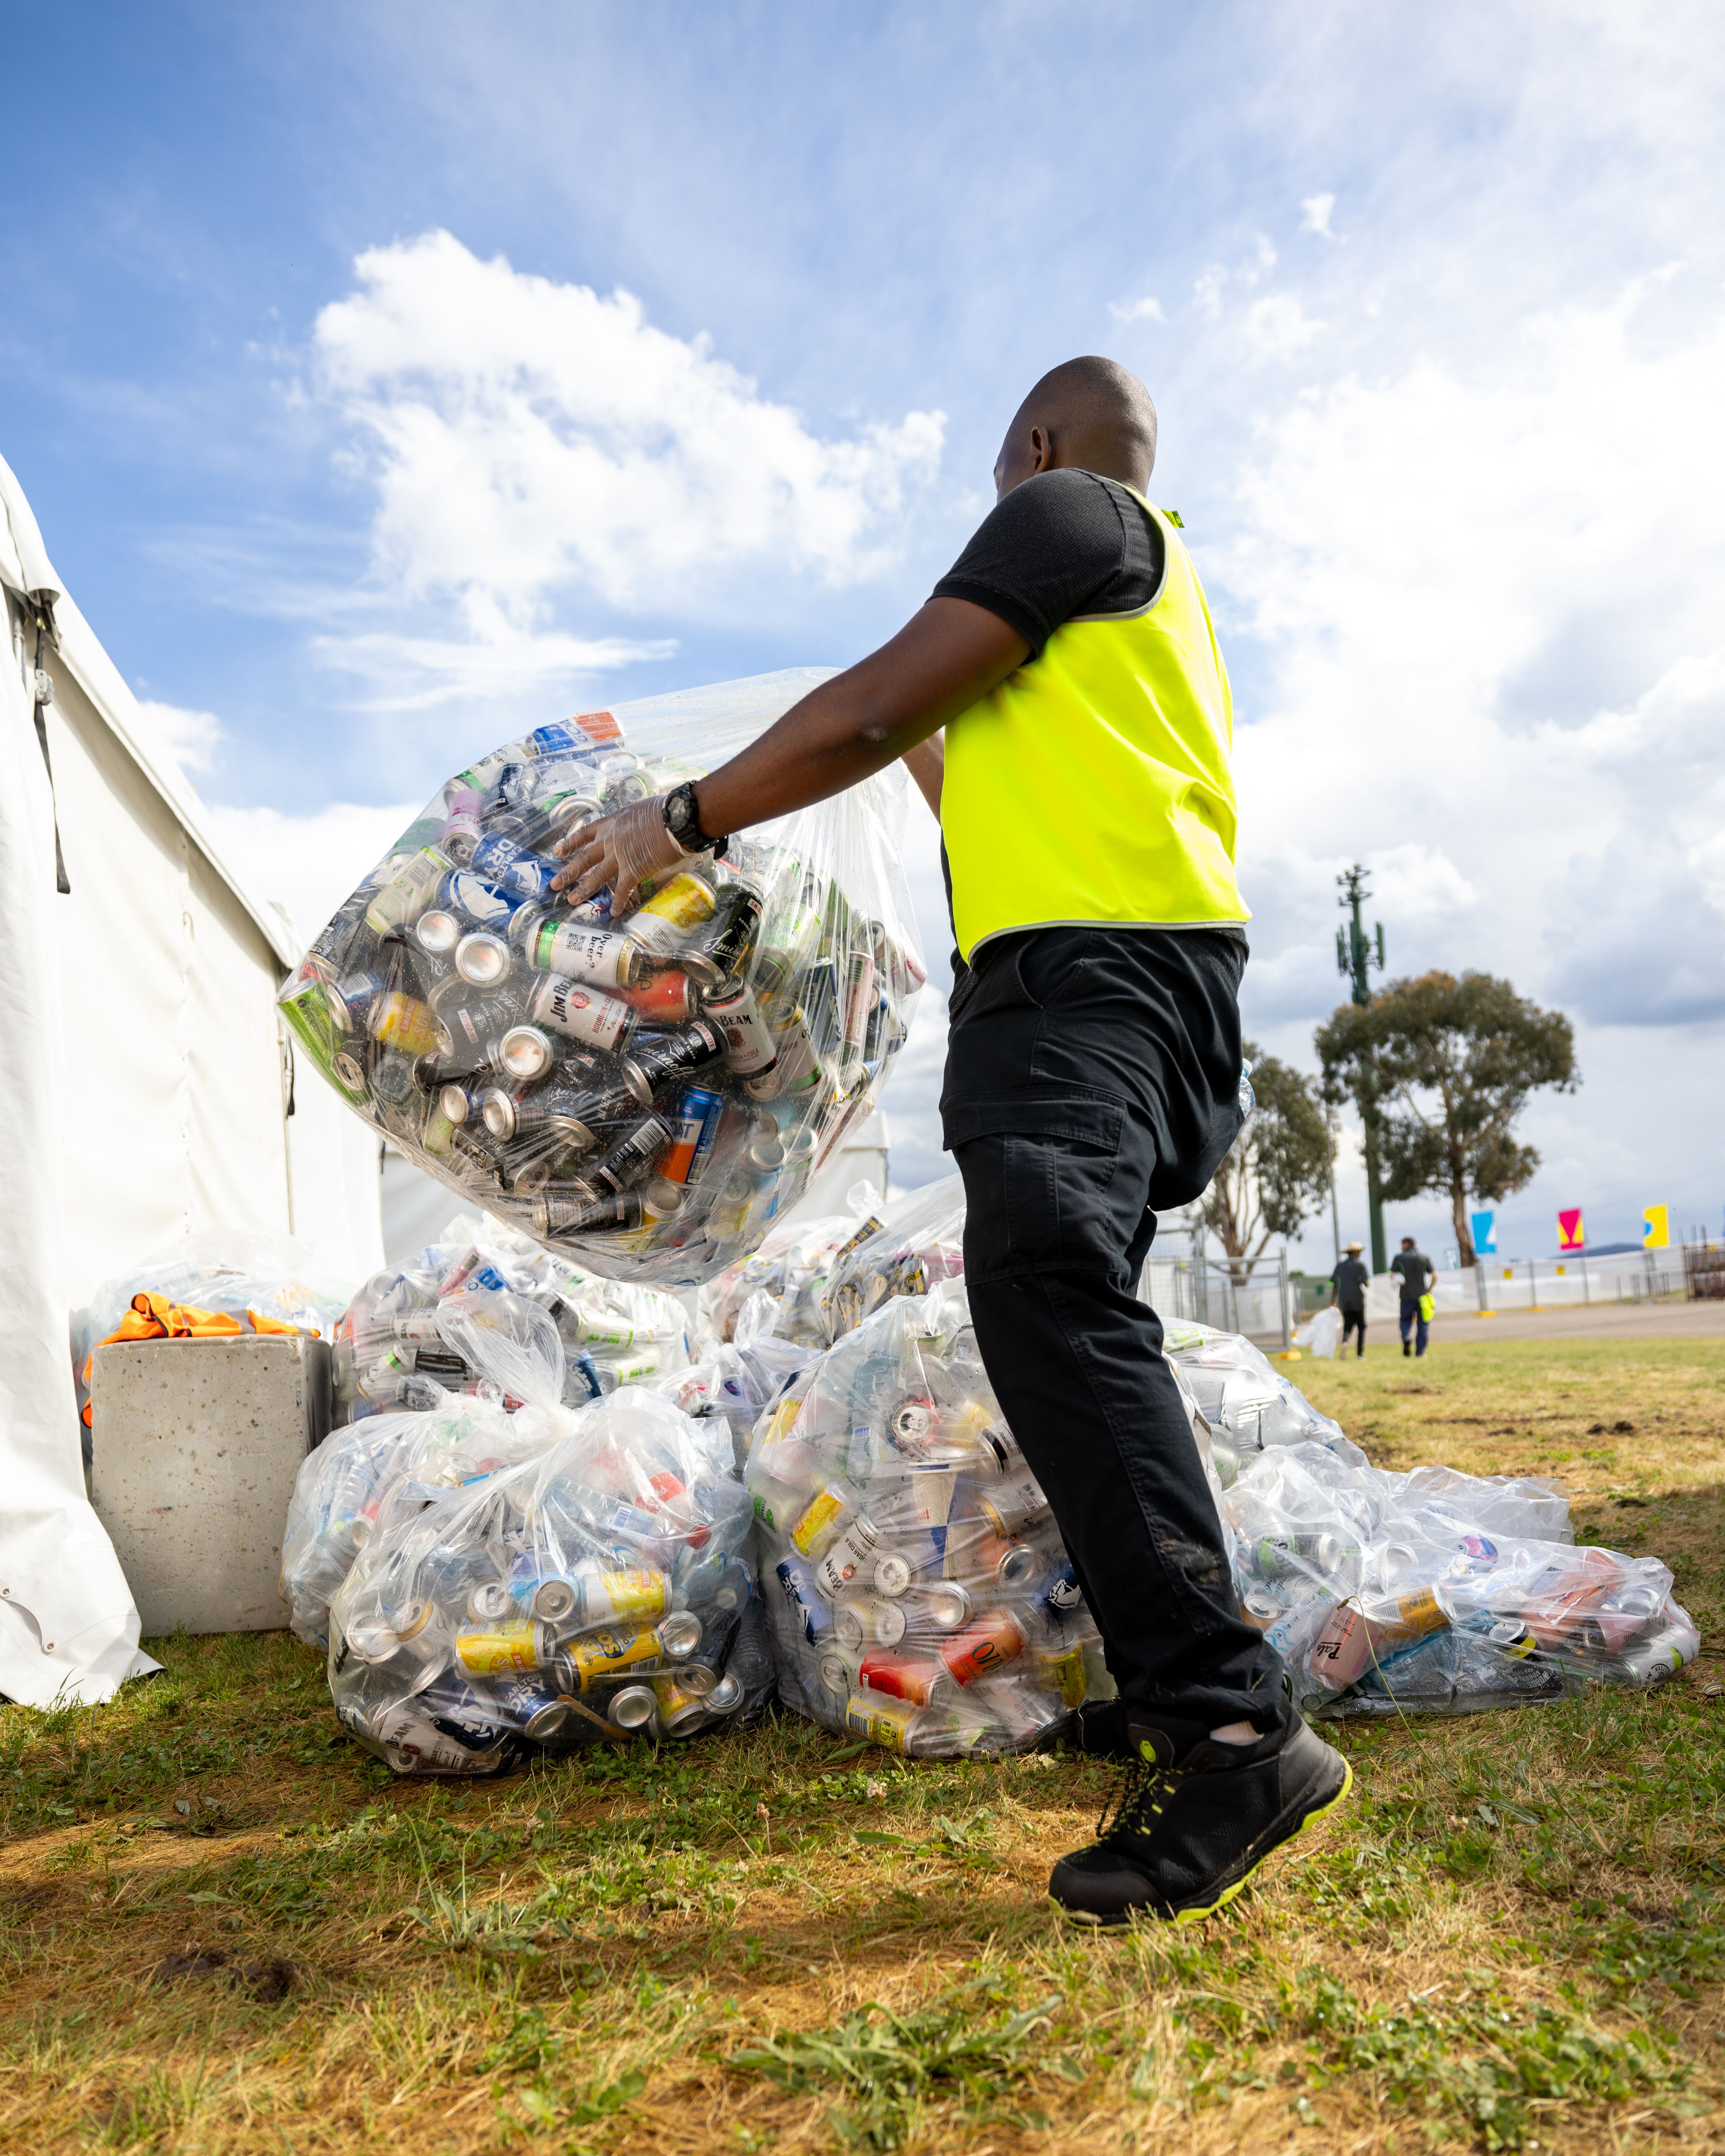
(750, 1048)
(881, 1719)
(677, 1055)
(583, 1015)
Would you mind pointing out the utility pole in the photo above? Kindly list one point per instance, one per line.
(1355, 956)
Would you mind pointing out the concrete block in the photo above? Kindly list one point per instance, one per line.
(197, 1444)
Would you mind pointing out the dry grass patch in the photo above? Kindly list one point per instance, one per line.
(227, 1931)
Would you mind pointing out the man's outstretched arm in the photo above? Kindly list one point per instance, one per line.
(945, 658)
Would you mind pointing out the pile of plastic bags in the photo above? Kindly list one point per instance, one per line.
(781, 1288)
(916, 1244)
(390, 1351)
(492, 1584)
(920, 1595)
(643, 1083)
(1436, 1592)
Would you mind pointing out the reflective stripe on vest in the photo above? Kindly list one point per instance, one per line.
(1096, 784)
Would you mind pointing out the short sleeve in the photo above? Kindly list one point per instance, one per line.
(1058, 545)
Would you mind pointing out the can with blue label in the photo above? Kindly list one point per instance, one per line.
(514, 867)
(483, 904)
(695, 1130)
(1059, 1596)
(807, 1610)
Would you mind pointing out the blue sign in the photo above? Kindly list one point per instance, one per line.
(1485, 1238)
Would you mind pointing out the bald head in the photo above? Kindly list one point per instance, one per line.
(1087, 414)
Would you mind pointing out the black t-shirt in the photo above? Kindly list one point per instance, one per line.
(1063, 544)
(1351, 1279)
(1416, 1271)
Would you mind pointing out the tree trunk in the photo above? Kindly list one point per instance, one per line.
(1464, 1238)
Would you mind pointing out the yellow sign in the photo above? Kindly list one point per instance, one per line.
(1656, 1228)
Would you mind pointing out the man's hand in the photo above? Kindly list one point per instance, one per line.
(618, 853)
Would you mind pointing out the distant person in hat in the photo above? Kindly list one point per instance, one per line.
(1417, 1273)
(1347, 1294)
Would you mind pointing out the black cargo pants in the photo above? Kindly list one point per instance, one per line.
(1092, 1079)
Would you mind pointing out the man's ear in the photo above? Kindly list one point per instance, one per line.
(1041, 450)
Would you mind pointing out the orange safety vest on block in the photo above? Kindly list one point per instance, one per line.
(154, 1317)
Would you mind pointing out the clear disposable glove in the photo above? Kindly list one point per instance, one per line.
(618, 853)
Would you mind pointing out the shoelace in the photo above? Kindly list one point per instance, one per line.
(1136, 1790)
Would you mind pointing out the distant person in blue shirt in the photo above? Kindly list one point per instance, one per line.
(1347, 1294)
(1417, 1273)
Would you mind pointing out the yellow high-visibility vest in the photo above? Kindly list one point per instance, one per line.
(1097, 782)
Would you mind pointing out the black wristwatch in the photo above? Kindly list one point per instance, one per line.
(682, 819)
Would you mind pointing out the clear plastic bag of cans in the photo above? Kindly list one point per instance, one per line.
(600, 1589)
(644, 1083)
(1437, 1592)
(918, 1243)
(790, 1272)
(919, 1594)
(342, 1487)
(1247, 1403)
(392, 1351)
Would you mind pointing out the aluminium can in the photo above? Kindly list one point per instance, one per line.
(695, 1130)
(665, 1060)
(580, 1013)
(750, 1049)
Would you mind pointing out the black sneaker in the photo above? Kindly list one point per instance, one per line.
(1179, 1841)
(1099, 1730)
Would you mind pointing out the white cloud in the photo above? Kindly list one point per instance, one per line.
(531, 441)
(309, 863)
(1315, 213)
(1146, 309)
(1489, 601)
(1278, 326)
(412, 673)
(193, 738)
(1208, 290)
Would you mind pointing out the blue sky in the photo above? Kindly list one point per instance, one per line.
(320, 379)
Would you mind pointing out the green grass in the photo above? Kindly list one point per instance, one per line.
(225, 1929)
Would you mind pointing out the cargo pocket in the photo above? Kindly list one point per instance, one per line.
(1037, 1173)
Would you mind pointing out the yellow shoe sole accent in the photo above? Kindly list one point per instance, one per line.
(1228, 1893)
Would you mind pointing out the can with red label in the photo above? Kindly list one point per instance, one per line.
(667, 999)
(995, 1639)
(904, 1676)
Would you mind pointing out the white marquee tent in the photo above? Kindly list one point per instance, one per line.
(146, 1089)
